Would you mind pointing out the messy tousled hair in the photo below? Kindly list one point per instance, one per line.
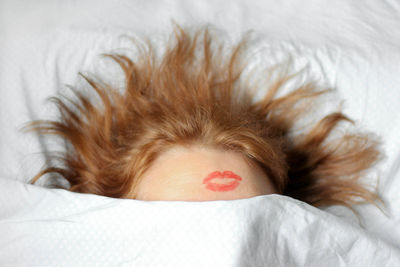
(194, 94)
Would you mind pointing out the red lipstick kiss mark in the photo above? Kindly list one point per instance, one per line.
(222, 187)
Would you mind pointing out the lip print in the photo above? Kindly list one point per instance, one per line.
(235, 181)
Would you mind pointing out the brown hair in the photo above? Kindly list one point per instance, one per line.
(195, 94)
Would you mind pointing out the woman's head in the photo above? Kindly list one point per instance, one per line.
(188, 115)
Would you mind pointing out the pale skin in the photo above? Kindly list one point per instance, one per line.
(180, 174)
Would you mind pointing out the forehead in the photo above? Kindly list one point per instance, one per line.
(179, 173)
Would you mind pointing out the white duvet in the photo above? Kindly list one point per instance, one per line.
(351, 46)
(56, 228)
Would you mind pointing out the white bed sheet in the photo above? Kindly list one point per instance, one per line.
(352, 46)
(58, 228)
